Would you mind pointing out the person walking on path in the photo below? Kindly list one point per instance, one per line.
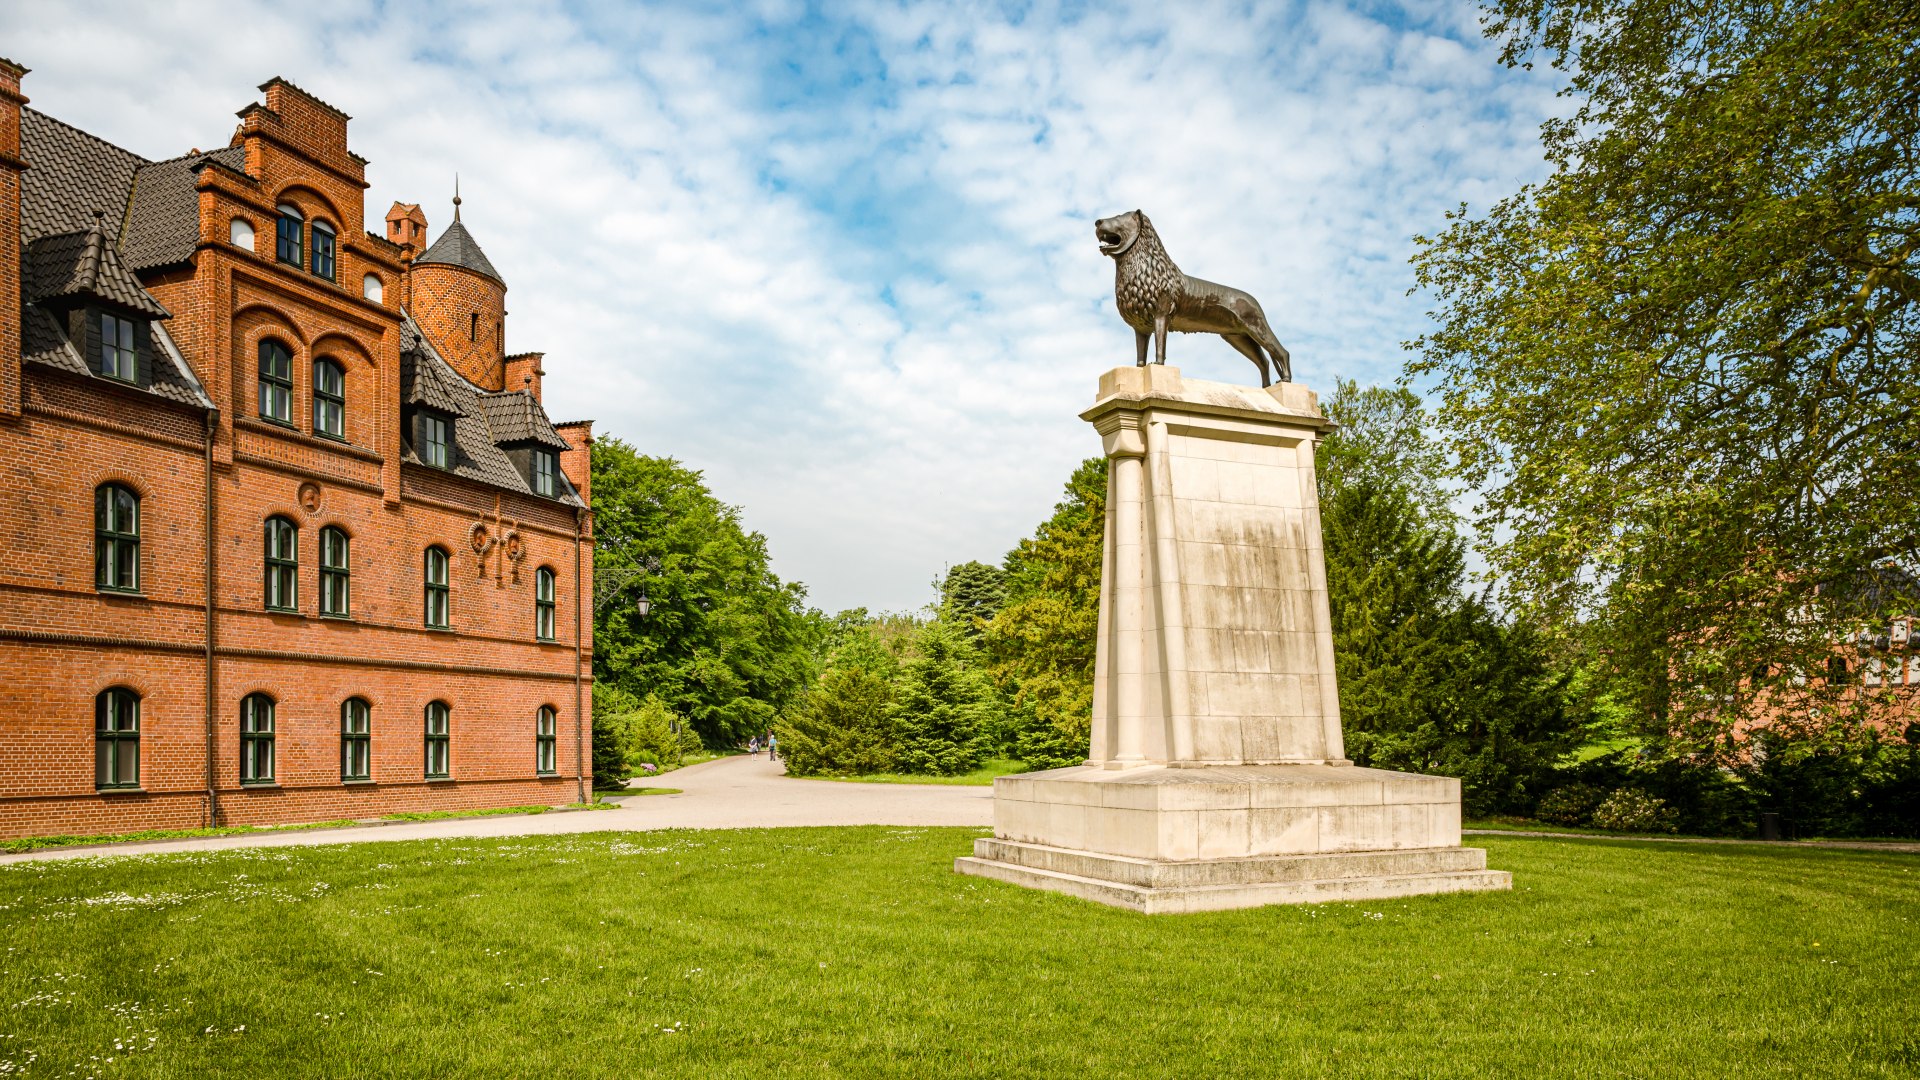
(773, 747)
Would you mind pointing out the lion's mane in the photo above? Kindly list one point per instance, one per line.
(1146, 282)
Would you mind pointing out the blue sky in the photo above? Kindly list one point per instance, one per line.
(840, 258)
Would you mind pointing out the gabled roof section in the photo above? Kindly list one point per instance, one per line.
(78, 266)
(515, 417)
(173, 379)
(423, 383)
(477, 453)
(163, 220)
(457, 247)
(70, 176)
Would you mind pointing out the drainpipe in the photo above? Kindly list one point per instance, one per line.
(579, 656)
(213, 425)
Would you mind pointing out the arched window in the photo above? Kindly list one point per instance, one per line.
(356, 740)
(240, 233)
(322, 250)
(439, 755)
(543, 604)
(283, 565)
(329, 399)
(372, 289)
(256, 739)
(116, 739)
(546, 756)
(287, 235)
(437, 592)
(116, 539)
(336, 598)
(1838, 673)
(276, 382)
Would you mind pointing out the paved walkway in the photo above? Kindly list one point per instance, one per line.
(728, 793)
(1892, 846)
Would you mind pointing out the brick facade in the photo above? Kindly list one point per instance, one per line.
(209, 469)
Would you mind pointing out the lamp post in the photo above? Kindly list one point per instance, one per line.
(609, 583)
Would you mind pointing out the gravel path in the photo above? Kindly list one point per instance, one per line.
(728, 793)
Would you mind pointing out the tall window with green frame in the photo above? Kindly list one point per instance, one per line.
(543, 473)
(437, 598)
(336, 598)
(356, 739)
(439, 736)
(116, 539)
(435, 445)
(119, 351)
(546, 756)
(276, 382)
(543, 605)
(256, 739)
(323, 250)
(329, 399)
(283, 565)
(116, 739)
(287, 229)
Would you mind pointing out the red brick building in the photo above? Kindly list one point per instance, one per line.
(288, 534)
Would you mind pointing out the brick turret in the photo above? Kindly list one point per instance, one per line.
(460, 302)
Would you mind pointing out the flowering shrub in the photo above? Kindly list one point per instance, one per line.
(1570, 805)
(1630, 810)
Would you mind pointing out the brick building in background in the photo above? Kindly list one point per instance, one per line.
(288, 534)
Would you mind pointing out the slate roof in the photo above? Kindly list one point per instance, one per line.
(516, 418)
(477, 452)
(79, 265)
(71, 174)
(163, 218)
(457, 247)
(173, 378)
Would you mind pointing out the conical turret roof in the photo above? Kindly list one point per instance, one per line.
(457, 247)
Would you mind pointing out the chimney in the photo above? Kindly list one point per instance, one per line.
(524, 372)
(576, 463)
(407, 226)
(12, 299)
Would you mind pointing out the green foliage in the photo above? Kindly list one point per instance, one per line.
(656, 736)
(726, 645)
(1040, 645)
(1631, 810)
(613, 710)
(971, 594)
(945, 709)
(1430, 679)
(1570, 805)
(1681, 367)
(843, 726)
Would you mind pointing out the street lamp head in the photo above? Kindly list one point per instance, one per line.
(642, 605)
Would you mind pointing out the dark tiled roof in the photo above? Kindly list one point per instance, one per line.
(83, 265)
(516, 418)
(420, 382)
(476, 451)
(163, 222)
(458, 247)
(47, 343)
(70, 175)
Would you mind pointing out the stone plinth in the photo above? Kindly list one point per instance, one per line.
(1216, 776)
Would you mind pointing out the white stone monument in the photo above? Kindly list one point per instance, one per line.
(1217, 777)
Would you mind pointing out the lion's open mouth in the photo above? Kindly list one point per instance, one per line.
(1108, 239)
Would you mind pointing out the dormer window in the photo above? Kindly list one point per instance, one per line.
(119, 349)
(436, 440)
(288, 247)
(323, 250)
(544, 467)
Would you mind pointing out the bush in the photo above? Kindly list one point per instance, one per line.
(1630, 810)
(653, 739)
(946, 710)
(1570, 805)
(843, 726)
(612, 736)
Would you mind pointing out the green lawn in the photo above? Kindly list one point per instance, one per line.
(984, 775)
(858, 952)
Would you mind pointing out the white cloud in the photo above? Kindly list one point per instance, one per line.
(844, 264)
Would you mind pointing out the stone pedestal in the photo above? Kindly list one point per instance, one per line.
(1216, 777)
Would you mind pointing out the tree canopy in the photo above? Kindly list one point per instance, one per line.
(1682, 366)
(726, 644)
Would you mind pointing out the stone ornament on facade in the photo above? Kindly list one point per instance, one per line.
(1154, 297)
(1216, 775)
(310, 497)
(499, 542)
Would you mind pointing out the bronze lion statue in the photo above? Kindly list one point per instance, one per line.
(1154, 297)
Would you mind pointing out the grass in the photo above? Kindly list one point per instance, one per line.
(988, 769)
(859, 953)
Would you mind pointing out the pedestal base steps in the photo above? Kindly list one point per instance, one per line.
(1154, 888)
(1204, 838)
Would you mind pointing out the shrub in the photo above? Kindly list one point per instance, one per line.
(843, 726)
(1630, 810)
(946, 710)
(653, 738)
(1570, 805)
(612, 735)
